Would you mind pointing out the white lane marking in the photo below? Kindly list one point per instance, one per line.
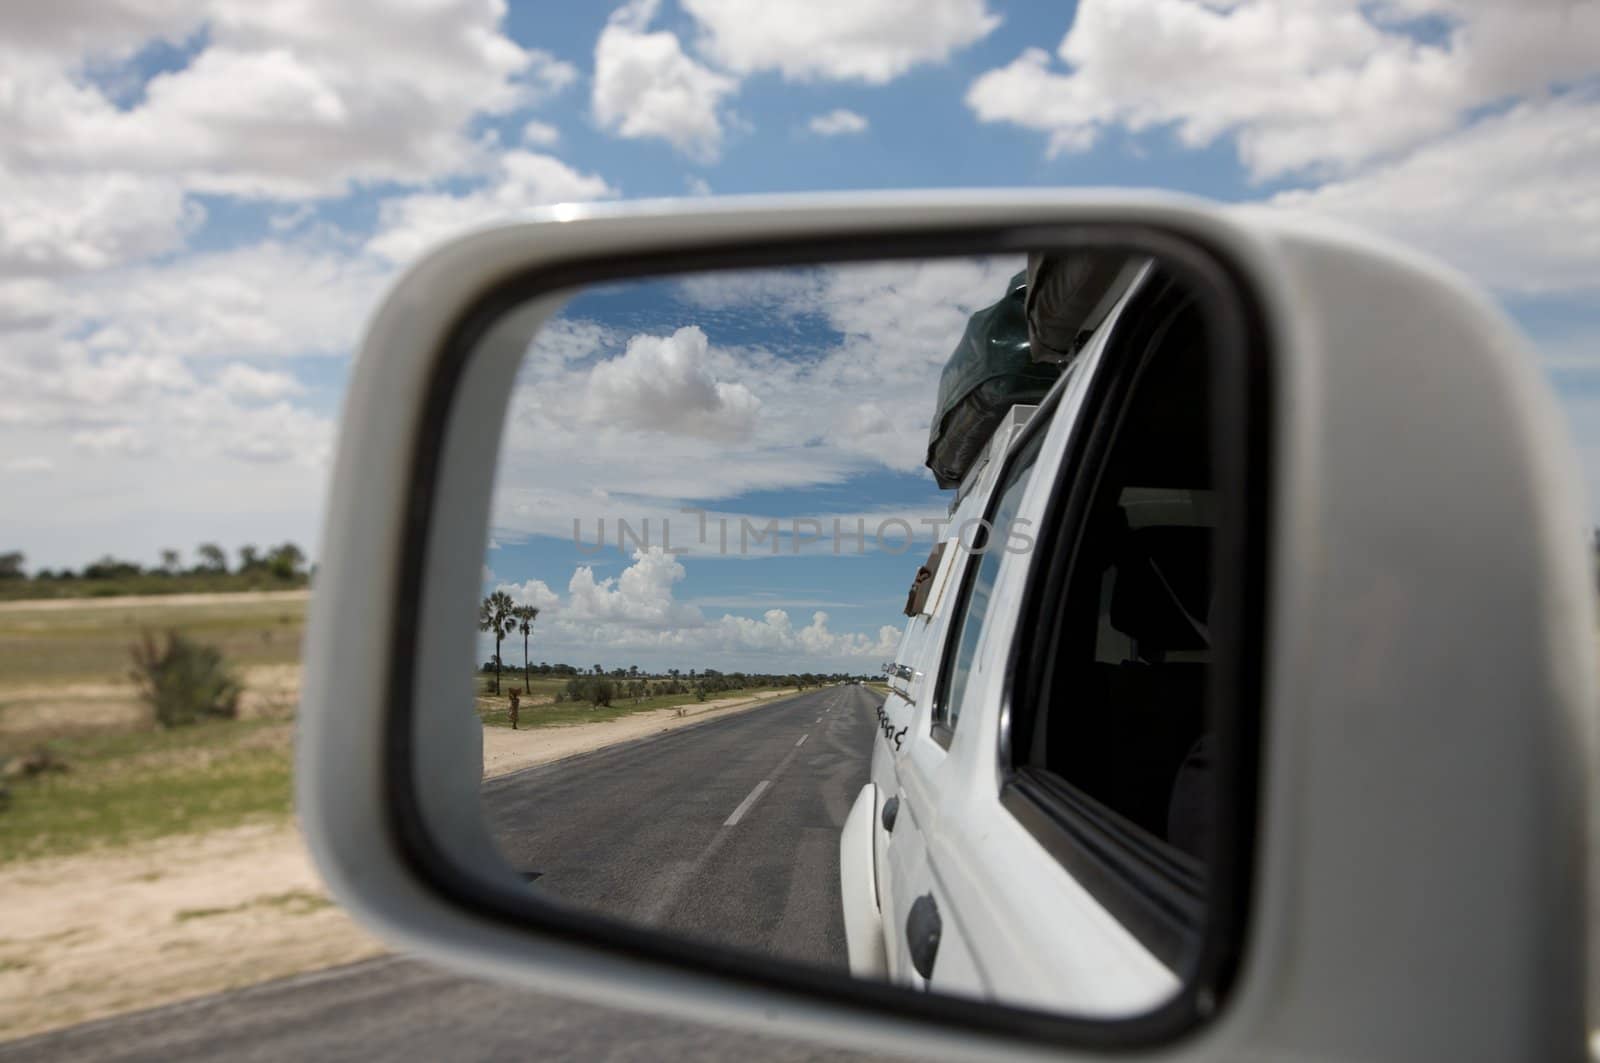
(803, 739)
(744, 806)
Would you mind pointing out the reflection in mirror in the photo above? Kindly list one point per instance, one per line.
(769, 551)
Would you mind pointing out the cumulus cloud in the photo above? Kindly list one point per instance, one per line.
(539, 134)
(534, 592)
(118, 439)
(521, 181)
(1513, 200)
(105, 322)
(68, 28)
(836, 123)
(1316, 88)
(53, 224)
(273, 299)
(874, 41)
(640, 597)
(276, 102)
(638, 609)
(662, 384)
(242, 381)
(646, 86)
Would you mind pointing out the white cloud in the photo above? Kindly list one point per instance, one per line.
(836, 123)
(1513, 200)
(29, 303)
(118, 439)
(646, 86)
(874, 41)
(663, 384)
(29, 463)
(273, 299)
(241, 381)
(538, 134)
(697, 186)
(522, 180)
(284, 99)
(532, 592)
(1316, 87)
(654, 433)
(640, 597)
(638, 610)
(66, 223)
(101, 27)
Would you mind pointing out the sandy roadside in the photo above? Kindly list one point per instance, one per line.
(91, 935)
(86, 936)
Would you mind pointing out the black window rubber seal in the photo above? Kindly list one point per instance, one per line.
(521, 913)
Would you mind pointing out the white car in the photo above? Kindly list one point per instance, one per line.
(1093, 817)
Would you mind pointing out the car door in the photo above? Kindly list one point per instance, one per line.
(1070, 821)
(927, 937)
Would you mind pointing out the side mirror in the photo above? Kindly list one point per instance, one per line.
(1243, 706)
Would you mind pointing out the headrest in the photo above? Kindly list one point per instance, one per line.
(1163, 573)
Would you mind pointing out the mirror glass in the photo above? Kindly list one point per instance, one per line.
(857, 615)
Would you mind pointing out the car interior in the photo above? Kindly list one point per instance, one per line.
(1129, 726)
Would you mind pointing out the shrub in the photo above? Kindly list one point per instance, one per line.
(184, 681)
(595, 689)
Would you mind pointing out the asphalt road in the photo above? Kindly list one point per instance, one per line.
(727, 830)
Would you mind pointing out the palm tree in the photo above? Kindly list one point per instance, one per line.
(525, 615)
(494, 614)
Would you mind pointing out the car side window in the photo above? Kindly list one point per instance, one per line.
(988, 541)
(1113, 750)
(1125, 721)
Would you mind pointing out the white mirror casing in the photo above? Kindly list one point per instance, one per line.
(1428, 715)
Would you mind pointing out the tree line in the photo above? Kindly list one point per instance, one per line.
(284, 561)
(500, 615)
(208, 568)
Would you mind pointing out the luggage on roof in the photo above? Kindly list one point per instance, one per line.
(1012, 352)
(991, 370)
(1069, 294)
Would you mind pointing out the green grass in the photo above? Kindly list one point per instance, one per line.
(122, 788)
(12, 590)
(90, 643)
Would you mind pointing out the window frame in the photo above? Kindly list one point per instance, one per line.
(1030, 438)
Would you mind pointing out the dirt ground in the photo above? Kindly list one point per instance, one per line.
(91, 935)
(86, 936)
(49, 709)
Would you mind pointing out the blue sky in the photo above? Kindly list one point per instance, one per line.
(200, 200)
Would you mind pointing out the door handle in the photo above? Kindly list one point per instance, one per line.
(923, 926)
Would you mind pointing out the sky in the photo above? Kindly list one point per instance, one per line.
(201, 202)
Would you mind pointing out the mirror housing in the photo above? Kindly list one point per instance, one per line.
(1420, 879)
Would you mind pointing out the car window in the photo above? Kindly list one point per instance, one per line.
(1124, 721)
(988, 542)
